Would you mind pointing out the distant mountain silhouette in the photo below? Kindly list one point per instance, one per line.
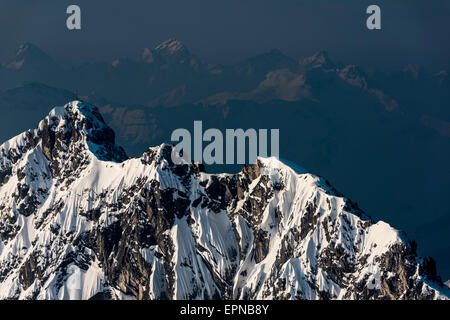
(30, 57)
(29, 64)
(170, 75)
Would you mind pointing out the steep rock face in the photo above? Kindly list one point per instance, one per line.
(78, 220)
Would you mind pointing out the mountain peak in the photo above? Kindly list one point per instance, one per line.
(27, 47)
(171, 47)
(354, 75)
(68, 137)
(31, 55)
(147, 56)
(87, 128)
(264, 63)
(276, 52)
(320, 59)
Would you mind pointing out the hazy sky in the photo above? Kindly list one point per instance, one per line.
(414, 31)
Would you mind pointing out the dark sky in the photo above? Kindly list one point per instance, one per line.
(225, 31)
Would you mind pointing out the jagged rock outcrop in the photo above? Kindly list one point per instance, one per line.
(79, 220)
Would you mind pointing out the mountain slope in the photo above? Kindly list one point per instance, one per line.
(79, 220)
(29, 64)
(28, 56)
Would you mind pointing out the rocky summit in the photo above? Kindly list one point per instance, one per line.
(81, 220)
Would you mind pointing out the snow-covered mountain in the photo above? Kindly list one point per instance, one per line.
(80, 220)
